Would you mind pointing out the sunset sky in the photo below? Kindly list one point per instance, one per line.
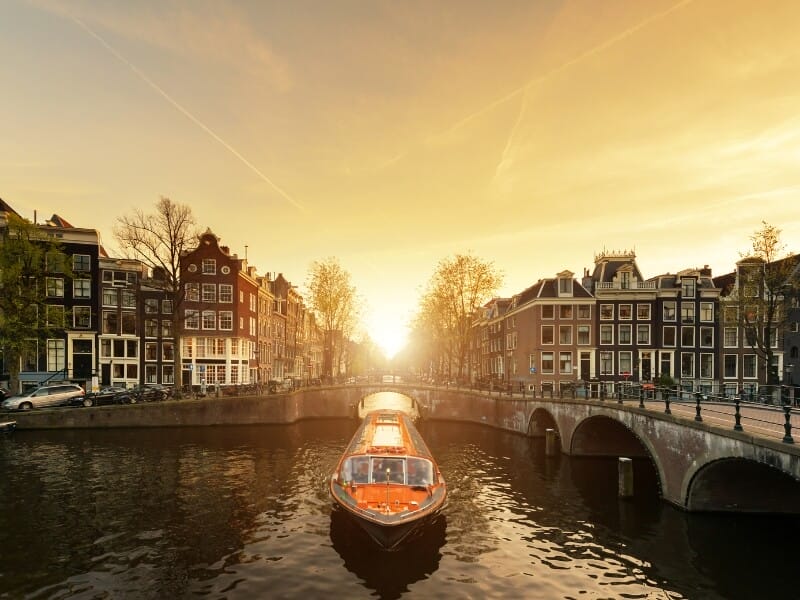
(532, 133)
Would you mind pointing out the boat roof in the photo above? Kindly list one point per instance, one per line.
(388, 432)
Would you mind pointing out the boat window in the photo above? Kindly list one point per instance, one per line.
(420, 471)
(387, 469)
(355, 469)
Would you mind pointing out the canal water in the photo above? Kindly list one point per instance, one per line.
(244, 512)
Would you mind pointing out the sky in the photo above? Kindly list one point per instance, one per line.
(533, 134)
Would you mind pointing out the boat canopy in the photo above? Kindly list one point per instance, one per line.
(406, 470)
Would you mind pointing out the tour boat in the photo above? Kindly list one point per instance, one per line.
(387, 478)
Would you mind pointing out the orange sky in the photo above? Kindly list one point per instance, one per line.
(394, 134)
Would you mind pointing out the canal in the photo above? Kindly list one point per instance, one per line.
(244, 512)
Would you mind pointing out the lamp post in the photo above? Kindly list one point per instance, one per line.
(787, 370)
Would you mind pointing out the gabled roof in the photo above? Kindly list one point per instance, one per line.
(6, 208)
(57, 221)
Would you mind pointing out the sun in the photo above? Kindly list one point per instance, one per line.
(390, 335)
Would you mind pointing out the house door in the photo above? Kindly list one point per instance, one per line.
(82, 359)
(646, 374)
(586, 366)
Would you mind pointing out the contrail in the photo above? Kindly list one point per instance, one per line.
(564, 66)
(187, 114)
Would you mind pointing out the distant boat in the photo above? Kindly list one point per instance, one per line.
(387, 478)
(7, 426)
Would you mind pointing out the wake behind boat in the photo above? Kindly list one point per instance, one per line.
(387, 478)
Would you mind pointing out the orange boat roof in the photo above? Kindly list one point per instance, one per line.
(388, 432)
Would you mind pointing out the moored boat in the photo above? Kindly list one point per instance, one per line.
(8, 426)
(387, 478)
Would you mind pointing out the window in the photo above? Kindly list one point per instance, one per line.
(547, 362)
(687, 337)
(209, 292)
(168, 374)
(687, 312)
(168, 351)
(548, 311)
(706, 366)
(707, 312)
(749, 366)
(669, 310)
(110, 297)
(606, 363)
(625, 280)
(606, 334)
(624, 334)
(166, 328)
(688, 286)
(192, 319)
(166, 307)
(151, 327)
(706, 337)
(565, 363)
(226, 320)
(643, 334)
(731, 337)
(225, 292)
(55, 287)
(193, 292)
(151, 373)
(729, 364)
(547, 334)
(565, 311)
(584, 335)
(565, 334)
(128, 299)
(666, 363)
(55, 315)
(132, 348)
(54, 263)
(150, 305)
(687, 364)
(209, 319)
(110, 322)
(606, 312)
(625, 362)
(82, 317)
(81, 262)
(669, 336)
(81, 288)
(151, 351)
(625, 312)
(564, 286)
(643, 312)
(584, 311)
(55, 355)
(209, 266)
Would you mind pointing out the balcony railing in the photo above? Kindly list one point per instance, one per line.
(618, 285)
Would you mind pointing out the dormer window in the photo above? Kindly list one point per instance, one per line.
(564, 286)
(688, 287)
(625, 280)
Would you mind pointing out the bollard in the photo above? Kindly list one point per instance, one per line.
(698, 396)
(641, 397)
(550, 442)
(625, 473)
(619, 395)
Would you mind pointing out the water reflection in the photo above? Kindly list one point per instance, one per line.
(389, 574)
(388, 400)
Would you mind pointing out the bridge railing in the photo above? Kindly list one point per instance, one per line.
(766, 411)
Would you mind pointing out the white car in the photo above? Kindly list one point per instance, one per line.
(42, 397)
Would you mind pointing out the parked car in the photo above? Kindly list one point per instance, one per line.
(4, 393)
(42, 397)
(106, 395)
(149, 392)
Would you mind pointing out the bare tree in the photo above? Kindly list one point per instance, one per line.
(767, 279)
(159, 240)
(333, 298)
(459, 286)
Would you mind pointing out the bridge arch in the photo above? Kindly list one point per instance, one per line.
(540, 421)
(737, 484)
(604, 435)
